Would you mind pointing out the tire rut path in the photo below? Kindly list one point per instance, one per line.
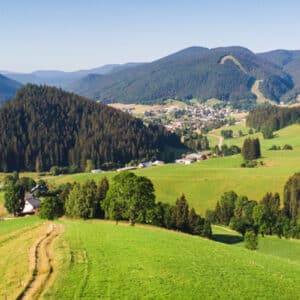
(41, 262)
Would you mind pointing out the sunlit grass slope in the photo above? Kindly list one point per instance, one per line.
(16, 238)
(287, 249)
(204, 182)
(98, 260)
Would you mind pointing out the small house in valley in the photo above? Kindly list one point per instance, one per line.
(96, 171)
(32, 204)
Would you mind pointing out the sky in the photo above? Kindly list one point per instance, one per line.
(81, 34)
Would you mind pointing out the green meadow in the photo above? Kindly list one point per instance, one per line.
(96, 259)
(100, 260)
(16, 238)
(285, 249)
(204, 182)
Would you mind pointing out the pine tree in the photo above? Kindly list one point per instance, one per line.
(251, 149)
(182, 214)
(193, 220)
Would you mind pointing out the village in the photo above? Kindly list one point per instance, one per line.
(179, 116)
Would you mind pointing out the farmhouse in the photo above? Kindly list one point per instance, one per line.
(184, 161)
(145, 164)
(126, 169)
(96, 171)
(158, 163)
(196, 156)
(32, 204)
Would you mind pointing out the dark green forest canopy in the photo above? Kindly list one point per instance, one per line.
(44, 126)
(289, 62)
(273, 117)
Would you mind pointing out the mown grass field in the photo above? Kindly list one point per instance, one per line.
(16, 238)
(100, 260)
(120, 262)
(287, 249)
(204, 182)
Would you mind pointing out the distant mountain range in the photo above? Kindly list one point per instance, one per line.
(231, 74)
(227, 74)
(8, 88)
(61, 78)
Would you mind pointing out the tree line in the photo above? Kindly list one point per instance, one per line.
(268, 118)
(268, 216)
(127, 197)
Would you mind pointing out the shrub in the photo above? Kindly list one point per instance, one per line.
(249, 164)
(251, 240)
(287, 147)
(274, 147)
(267, 132)
(51, 208)
(227, 133)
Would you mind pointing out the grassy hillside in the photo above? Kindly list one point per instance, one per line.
(204, 182)
(16, 239)
(120, 262)
(124, 262)
(287, 249)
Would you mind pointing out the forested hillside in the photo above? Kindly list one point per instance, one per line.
(44, 126)
(273, 117)
(191, 73)
(8, 88)
(289, 61)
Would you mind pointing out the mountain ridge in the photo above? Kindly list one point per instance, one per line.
(8, 88)
(59, 78)
(233, 74)
(194, 72)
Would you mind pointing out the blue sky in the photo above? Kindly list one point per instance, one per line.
(70, 35)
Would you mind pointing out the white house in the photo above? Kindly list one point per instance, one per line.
(184, 161)
(196, 156)
(126, 169)
(145, 164)
(158, 163)
(32, 204)
(96, 171)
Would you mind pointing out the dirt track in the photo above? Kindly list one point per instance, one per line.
(41, 264)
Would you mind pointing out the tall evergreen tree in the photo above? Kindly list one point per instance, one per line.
(182, 214)
(251, 149)
(292, 197)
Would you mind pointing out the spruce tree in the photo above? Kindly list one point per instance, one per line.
(182, 214)
(251, 149)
